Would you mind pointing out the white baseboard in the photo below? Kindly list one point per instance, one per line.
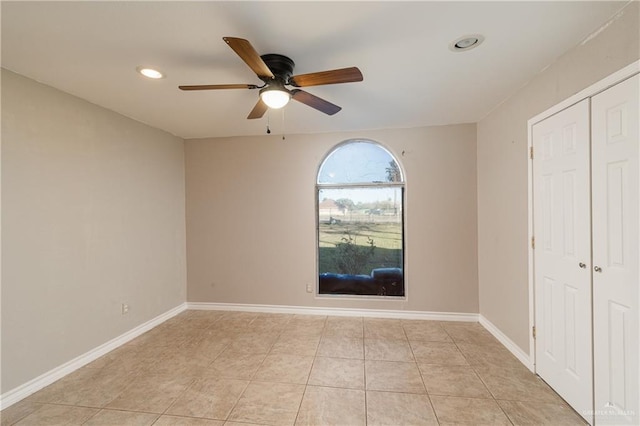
(14, 395)
(308, 310)
(522, 356)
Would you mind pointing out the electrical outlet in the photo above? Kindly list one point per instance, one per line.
(309, 288)
(125, 309)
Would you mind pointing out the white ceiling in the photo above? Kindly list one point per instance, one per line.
(411, 78)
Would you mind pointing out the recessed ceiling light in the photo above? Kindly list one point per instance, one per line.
(150, 72)
(465, 43)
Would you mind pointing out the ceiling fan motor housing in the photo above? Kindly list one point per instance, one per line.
(281, 66)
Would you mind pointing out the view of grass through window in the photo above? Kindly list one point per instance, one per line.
(360, 223)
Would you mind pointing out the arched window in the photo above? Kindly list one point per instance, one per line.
(360, 193)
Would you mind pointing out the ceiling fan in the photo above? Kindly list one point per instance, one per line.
(276, 71)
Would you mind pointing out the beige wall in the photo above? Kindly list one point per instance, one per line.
(502, 169)
(93, 216)
(251, 218)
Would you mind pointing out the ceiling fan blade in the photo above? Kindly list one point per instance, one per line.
(343, 75)
(315, 102)
(218, 86)
(258, 110)
(248, 54)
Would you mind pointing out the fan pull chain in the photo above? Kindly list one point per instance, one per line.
(268, 129)
(283, 138)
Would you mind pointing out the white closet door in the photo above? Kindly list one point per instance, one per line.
(615, 252)
(562, 255)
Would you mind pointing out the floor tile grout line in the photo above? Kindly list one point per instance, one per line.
(304, 393)
(237, 401)
(473, 368)
(364, 366)
(266, 356)
(504, 412)
(315, 354)
(306, 385)
(92, 416)
(186, 389)
(433, 408)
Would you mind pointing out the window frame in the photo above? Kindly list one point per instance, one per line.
(382, 184)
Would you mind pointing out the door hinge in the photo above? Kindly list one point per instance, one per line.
(533, 331)
(531, 152)
(533, 242)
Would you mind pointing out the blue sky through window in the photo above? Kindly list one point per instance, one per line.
(356, 162)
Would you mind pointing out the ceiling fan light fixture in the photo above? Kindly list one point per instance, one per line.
(275, 97)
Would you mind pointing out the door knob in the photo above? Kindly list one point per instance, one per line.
(597, 269)
(582, 265)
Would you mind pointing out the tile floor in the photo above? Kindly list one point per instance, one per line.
(238, 368)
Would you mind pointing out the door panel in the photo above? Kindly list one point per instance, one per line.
(562, 225)
(615, 193)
